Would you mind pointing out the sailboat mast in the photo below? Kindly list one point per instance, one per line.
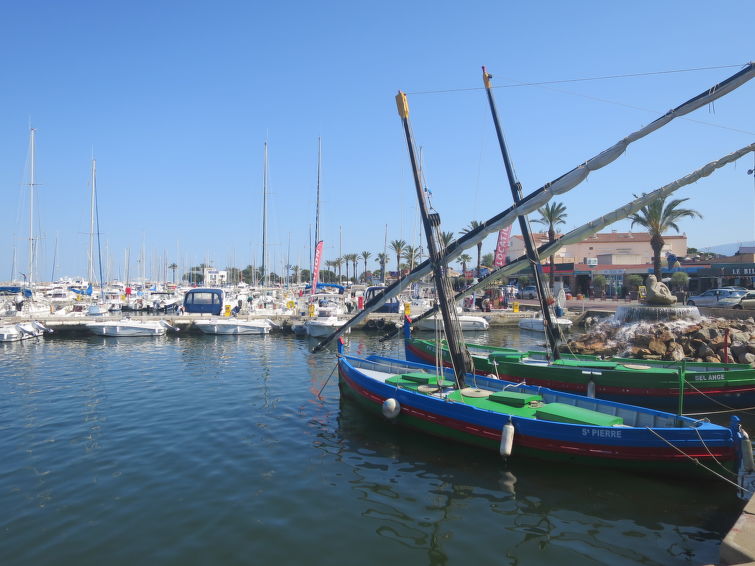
(460, 358)
(317, 202)
(90, 258)
(524, 224)
(97, 216)
(31, 207)
(264, 221)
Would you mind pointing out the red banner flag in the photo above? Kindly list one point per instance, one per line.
(502, 248)
(316, 274)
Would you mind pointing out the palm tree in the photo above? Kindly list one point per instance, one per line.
(338, 262)
(551, 215)
(463, 260)
(173, 267)
(350, 258)
(382, 259)
(447, 238)
(411, 254)
(398, 248)
(365, 256)
(353, 258)
(331, 265)
(473, 225)
(658, 217)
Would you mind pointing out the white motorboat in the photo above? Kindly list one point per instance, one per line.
(22, 331)
(128, 327)
(537, 323)
(322, 325)
(234, 326)
(469, 323)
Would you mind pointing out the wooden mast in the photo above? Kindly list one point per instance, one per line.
(460, 357)
(524, 224)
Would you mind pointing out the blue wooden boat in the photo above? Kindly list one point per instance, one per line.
(526, 421)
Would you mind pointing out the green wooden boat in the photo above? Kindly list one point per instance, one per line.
(650, 383)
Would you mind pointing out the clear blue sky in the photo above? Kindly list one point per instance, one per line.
(176, 99)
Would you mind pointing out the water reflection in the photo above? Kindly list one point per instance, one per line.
(570, 514)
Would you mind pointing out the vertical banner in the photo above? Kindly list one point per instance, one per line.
(502, 248)
(316, 267)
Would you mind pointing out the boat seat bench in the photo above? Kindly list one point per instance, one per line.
(563, 413)
(414, 380)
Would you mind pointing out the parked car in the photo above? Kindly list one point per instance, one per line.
(735, 288)
(529, 292)
(721, 298)
(747, 301)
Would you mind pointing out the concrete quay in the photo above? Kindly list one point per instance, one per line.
(738, 547)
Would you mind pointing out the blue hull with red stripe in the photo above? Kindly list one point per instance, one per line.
(546, 423)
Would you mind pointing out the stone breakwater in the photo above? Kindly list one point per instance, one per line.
(707, 340)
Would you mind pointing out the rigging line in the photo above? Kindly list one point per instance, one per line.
(640, 108)
(698, 462)
(607, 77)
(728, 409)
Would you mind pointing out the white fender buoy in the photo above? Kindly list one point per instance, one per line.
(591, 389)
(747, 462)
(507, 439)
(391, 408)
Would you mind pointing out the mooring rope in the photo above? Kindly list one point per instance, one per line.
(747, 410)
(697, 431)
(326, 381)
(698, 462)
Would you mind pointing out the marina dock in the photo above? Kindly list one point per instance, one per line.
(68, 326)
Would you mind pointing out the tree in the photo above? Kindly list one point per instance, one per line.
(488, 260)
(447, 238)
(353, 258)
(382, 259)
(658, 217)
(331, 265)
(463, 260)
(473, 225)
(365, 256)
(679, 281)
(173, 267)
(345, 259)
(398, 248)
(196, 274)
(338, 262)
(634, 281)
(551, 215)
(599, 282)
(411, 254)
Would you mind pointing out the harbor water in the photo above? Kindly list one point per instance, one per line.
(198, 450)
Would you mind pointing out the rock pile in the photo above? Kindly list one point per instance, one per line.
(709, 339)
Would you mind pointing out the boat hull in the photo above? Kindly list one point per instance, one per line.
(649, 386)
(126, 329)
(233, 328)
(636, 448)
(467, 323)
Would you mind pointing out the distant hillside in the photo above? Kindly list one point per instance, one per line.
(726, 249)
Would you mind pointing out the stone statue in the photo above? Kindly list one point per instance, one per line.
(658, 293)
